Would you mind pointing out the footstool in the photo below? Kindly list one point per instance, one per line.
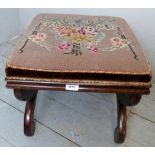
(78, 53)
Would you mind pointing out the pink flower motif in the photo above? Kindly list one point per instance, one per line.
(84, 30)
(64, 46)
(119, 42)
(93, 49)
(90, 30)
(37, 38)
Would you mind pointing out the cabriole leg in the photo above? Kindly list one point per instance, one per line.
(30, 97)
(123, 100)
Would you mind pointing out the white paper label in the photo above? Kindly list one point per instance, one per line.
(72, 87)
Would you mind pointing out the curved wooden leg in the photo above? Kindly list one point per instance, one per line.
(30, 97)
(123, 100)
(120, 131)
(29, 124)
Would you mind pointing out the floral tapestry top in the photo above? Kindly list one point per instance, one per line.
(77, 35)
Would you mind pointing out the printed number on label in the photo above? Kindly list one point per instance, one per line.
(72, 87)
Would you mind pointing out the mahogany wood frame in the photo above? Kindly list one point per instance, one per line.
(27, 91)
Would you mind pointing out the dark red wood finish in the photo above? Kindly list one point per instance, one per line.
(123, 100)
(27, 91)
(30, 97)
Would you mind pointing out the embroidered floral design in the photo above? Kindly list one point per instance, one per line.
(76, 32)
(78, 35)
(87, 30)
(64, 46)
(39, 39)
(92, 48)
(119, 42)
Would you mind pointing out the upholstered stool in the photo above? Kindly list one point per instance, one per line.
(78, 53)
